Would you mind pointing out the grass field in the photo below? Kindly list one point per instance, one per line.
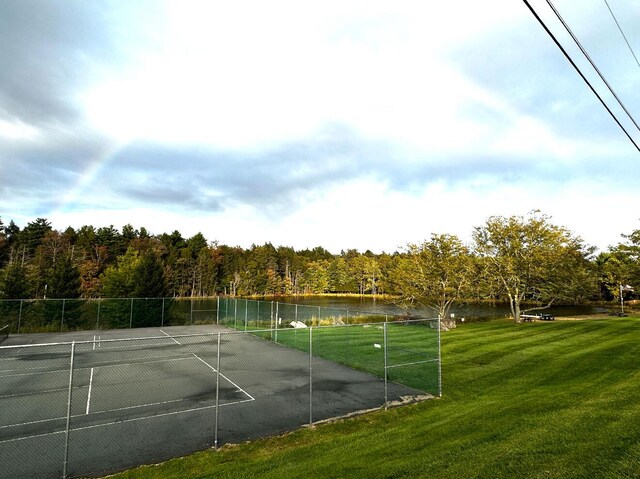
(538, 400)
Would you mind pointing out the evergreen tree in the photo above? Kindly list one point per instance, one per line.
(63, 282)
(148, 277)
(14, 283)
(118, 280)
(64, 279)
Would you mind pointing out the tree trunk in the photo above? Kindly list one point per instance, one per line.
(514, 304)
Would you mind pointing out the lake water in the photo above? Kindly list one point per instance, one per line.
(471, 311)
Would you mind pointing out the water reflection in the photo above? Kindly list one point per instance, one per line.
(470, 311)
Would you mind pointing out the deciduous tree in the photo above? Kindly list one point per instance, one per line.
(532, 259)
(434, 273)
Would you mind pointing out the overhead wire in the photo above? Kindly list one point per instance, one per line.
(584, 52)
(621, 32)
(573, 64)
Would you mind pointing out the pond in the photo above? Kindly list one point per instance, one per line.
(470, 311)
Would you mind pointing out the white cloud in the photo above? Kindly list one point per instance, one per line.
(17, 130)
(434, 139)
(248, 74)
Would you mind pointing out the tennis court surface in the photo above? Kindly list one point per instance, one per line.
(90, 403)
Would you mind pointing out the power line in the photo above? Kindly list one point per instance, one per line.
(579, 72)
(623, 35)
(591, 61)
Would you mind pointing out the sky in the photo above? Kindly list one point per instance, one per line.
(344, 124)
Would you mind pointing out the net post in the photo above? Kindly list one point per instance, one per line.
(215, 441)
(69, 397)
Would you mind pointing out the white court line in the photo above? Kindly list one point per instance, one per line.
(30, 341)
(173, 339)
(16, 359)
(122, 421)
(89, 393)
(32, 393)
(30, 374)
(154, 359)
(110, 364)
(225, 377)
(251, 398)
(190, 356)
(94, 413)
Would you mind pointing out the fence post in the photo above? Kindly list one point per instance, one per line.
(439, 362)
(217, 309)
(191, 312)
(98, 314)
(215, 441)
(276, 323)
(20, 316)
(258, 315)
(131, 315)
(162, 315)
(310, 376)
(62, 317)
(246, 313)
(235, 313)
(386, 389)
(69, 397)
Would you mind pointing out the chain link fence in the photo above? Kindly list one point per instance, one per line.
(108, 402)
(62, 315)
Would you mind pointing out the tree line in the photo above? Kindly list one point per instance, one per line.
(518, 259)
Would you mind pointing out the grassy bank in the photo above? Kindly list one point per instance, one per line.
(542, 400)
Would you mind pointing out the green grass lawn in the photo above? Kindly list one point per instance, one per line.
(539, 400)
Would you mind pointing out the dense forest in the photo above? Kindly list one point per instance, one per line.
(39, 261)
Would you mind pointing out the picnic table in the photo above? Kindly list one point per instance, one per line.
(527, 318)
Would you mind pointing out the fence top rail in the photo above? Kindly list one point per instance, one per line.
(350, 325)
(111, 340)
(354, 312)
(196, 335)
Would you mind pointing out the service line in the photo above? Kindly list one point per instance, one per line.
(170, 337)
(89, 393)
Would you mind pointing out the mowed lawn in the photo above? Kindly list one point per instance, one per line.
(538, 400)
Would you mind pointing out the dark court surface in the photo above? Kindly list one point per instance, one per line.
(142, 401)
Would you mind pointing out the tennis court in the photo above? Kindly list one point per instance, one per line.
(89, 403)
